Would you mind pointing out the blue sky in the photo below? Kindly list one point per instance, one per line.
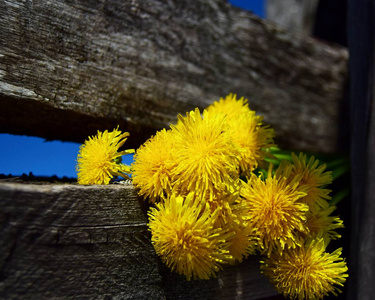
(256, 6)
(23, 154)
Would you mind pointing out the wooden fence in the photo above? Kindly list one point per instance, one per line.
(68, 68)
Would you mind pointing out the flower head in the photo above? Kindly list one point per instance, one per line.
(313, 180)
(231, 107)
(206, 159)
(244, 241)
(153, 165)
(98, 158)
(184, 236)
(253, 139)
(322, 223)
(306, 272)
(274, 209)
(248, 132)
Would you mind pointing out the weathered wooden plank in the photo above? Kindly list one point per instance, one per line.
(68, 68)
(294, 15)
(361, 38)
(69, 241)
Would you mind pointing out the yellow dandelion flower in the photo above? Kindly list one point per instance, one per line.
(230, 106)
(152, 166)
(274, 209)
(232, 217)
(184, 236)
(223, 201)
(249, 134)
(98, 158)
(312, 181)
(306, 272)
(206, 159)
(244, 241)
(253, 139)
(322, 222)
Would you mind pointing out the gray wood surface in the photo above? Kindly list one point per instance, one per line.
(69, 241)
(68, 68)
(65, 241)
(293, 15)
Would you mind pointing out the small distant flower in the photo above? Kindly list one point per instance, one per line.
(98, 160)
(274, 209)
(153, 165)
(312, 181)
(322, 222)
(249, 134)
(184, 236)
(306, 272)
(206, 159)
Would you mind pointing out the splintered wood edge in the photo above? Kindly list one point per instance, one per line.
(73, 240)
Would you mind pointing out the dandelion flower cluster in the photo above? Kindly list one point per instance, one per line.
(312, 180)
(216, 198)
(203, 154)
(212, 207)
(98, 159)
(295, 240)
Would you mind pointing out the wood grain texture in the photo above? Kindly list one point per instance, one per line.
(70, 67)
(68, 241)
(65, 241)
